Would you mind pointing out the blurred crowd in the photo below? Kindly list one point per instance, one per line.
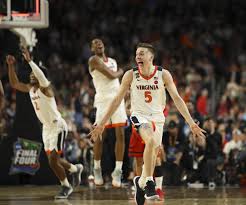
(204, 50)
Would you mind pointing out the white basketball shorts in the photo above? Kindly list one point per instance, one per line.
(119, 117)
(54, 137)
(138, 120)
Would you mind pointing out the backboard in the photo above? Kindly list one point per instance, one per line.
(24, 14)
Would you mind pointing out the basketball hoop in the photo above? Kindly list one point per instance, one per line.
(23, 23)
(27, 37)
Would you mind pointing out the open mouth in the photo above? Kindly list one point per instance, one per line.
(140, 63)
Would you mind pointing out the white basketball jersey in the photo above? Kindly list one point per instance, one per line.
(105, 88)
(45, 107)
(148, 95)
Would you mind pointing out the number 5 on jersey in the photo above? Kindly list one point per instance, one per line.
(148, 97)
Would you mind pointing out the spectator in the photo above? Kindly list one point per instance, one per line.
(234, 144)
(173, 154)
(213, 158)
(202, 103)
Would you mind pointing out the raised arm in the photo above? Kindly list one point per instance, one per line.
(44, 83)
(181, 106)
(125, 85)
(13, 79)
(95, 63)
(38, 73)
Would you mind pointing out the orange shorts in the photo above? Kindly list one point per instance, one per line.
(136, 146)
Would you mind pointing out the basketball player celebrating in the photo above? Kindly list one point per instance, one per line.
(105, 79)
(54, 126)
(136, 150)
(147, 84)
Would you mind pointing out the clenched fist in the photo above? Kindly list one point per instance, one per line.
(10, 60)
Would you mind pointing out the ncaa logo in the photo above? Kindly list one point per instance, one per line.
(17, 146)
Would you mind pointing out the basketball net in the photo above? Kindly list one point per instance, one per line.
(27, 37)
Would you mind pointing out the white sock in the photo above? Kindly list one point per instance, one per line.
(118, 165)
(97, 164)
(149, 179)
(73, 168)
(158, 181)
(141, 182)
(65, 183)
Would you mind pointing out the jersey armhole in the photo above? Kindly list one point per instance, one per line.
(161, 69)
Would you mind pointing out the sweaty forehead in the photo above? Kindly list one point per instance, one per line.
(142, 50)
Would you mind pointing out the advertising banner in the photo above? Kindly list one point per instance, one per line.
(26, 157)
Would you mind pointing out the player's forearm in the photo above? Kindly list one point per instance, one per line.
(13, 79)
(182, 108)
(43, 81)
(113, 74)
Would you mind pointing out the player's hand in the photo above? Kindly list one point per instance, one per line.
(10, 60)
(198, 134)
(26, 54)
(96, 132)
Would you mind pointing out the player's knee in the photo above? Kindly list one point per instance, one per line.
(150, 142)
(52, 162)
(53, 159)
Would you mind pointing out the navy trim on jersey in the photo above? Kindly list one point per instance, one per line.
(135, 69)
(61, 140)
(160, 68)
(135, 123)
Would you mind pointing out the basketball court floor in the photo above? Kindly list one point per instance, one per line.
(44, 195)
